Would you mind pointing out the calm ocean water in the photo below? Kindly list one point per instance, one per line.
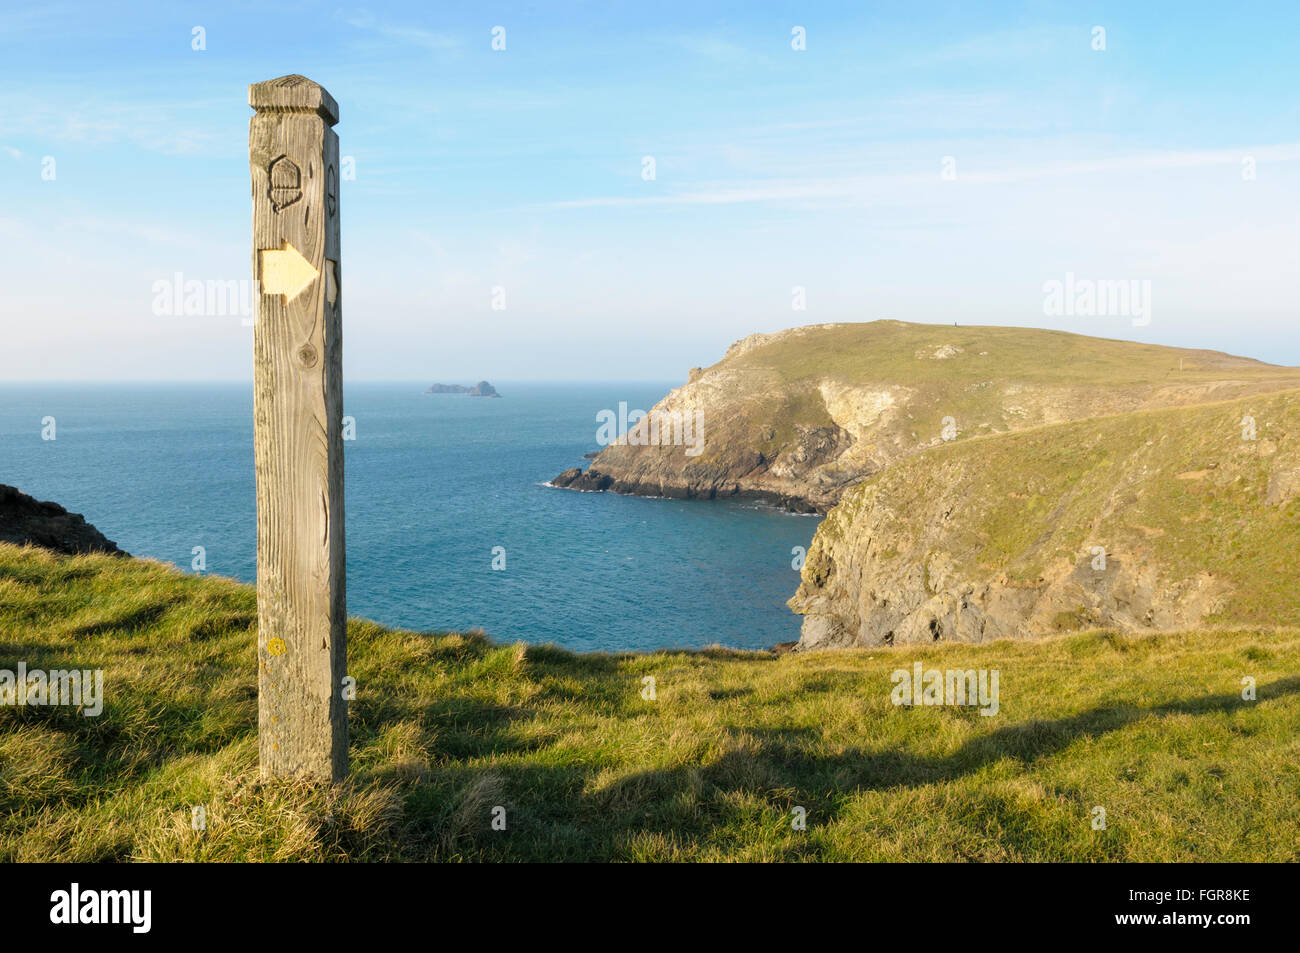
(433, 484)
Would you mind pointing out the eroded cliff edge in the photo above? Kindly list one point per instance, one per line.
(1155, 519)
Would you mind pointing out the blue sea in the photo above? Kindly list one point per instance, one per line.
(434, 483)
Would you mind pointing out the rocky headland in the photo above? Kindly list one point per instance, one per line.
(797, 417)
(984, 482)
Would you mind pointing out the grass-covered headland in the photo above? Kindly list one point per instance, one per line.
(445, 728)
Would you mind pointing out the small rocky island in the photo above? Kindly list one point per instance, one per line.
(481, 389)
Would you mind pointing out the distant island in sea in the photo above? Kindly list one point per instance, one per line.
(481, 389)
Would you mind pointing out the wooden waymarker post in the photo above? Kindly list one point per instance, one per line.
(293, 153)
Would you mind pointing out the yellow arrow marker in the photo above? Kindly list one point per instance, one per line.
(285, 272)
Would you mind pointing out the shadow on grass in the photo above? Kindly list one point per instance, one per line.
(141, 617)
(557, 815)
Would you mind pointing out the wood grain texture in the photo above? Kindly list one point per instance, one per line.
(298, 415)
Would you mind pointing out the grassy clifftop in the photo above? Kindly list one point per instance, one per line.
(798, 416)
(937, 353)
(446, 727)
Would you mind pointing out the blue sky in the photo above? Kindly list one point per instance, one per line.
(775, 168)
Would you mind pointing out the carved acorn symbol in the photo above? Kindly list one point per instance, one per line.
(286, 183)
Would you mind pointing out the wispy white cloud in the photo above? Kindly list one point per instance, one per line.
(403, 33)
(712, 47)
(170, 128)
(865, 187)
(1007, 44)
(1144, 162)
(57, 230)
(137, 230)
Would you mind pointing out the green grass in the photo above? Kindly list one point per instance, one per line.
(891, 351)
(446, 726)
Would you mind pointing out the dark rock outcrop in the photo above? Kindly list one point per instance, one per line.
(576, 479)
(24, 520)
(595, 481)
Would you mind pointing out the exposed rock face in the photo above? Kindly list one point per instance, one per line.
(481, 389)
(797, 417)
(24, 520)
(1155, 519)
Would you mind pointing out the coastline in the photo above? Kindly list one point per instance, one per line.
(596, 481)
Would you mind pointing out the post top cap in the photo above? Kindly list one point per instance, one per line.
(293, 93)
